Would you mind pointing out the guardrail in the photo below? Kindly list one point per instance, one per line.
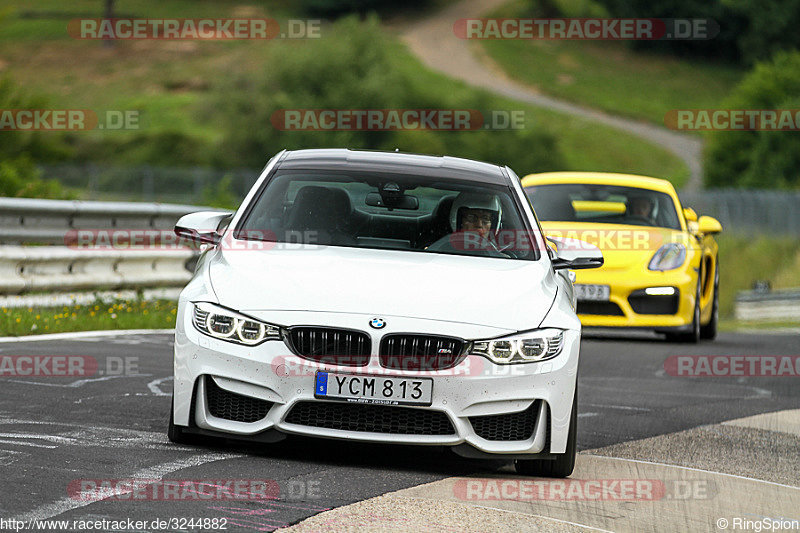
(28, 220)
(61, 268)
(778, 305)
(749, 211)
(57, 268)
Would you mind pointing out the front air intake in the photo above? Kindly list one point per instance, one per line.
(232, 406)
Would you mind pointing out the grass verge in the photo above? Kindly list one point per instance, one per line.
(766, 325)
(745, 259)
(120, 314)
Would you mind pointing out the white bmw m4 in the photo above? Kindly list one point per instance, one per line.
(382, 297)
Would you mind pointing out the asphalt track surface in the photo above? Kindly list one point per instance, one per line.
(54, 431)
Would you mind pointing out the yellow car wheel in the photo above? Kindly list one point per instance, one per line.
(709, 331)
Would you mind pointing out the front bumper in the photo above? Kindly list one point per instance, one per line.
(618, 311)
(476, 387)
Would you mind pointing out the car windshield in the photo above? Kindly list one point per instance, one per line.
(389, 211)
(607, 204)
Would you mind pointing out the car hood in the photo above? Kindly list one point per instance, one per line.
(509, 294)
(623, 246)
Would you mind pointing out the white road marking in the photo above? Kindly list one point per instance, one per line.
(157, 472)
(695, 470)
(759, 392)
(545, 518)
(49, 438)
(497, 509)
(154, 386)
(583, 415)
(623, 407)
(106, 437)
(23, 443)
(80, 382)
(79, 335)
(9, 456)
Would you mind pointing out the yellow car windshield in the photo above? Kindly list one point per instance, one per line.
(605, 204)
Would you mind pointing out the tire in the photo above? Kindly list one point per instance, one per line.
(176, 433)
(693, 336)
(709, 331)
(564, 463)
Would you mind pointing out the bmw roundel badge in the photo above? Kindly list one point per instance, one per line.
(377, 323)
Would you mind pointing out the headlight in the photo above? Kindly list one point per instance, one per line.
(221, 323)
(668, 257)
(526, 347)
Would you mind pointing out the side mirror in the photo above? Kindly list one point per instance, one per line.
(202, 227)
(691, 220)
(575, 254)
(708, 225)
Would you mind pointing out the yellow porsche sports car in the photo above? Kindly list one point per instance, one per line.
(661, 270)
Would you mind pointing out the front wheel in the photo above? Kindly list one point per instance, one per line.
(175, 433)
(709, 331)
(564, 463)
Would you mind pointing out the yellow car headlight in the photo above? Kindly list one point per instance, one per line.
(669, 257)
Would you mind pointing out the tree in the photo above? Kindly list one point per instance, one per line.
(759, 159)
(109, 14)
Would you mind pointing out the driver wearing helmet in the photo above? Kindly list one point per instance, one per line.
(640, 206)
(475, 219)
(478, 215)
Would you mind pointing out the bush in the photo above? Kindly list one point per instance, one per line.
(759, 159)
(771, 27)
(220, 194)
(38, 145)
(19, 178)
(748, 31)
(160, 148)
(358, 67)
(723, 47)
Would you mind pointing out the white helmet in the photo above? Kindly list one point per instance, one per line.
(473, 200)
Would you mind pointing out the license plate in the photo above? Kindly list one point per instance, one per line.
(592, 292)
(360, 388)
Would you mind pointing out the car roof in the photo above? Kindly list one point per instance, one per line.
(605, 178)
(444, 167)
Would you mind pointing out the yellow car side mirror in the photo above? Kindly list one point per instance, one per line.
(689, 214)
(708, 225)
